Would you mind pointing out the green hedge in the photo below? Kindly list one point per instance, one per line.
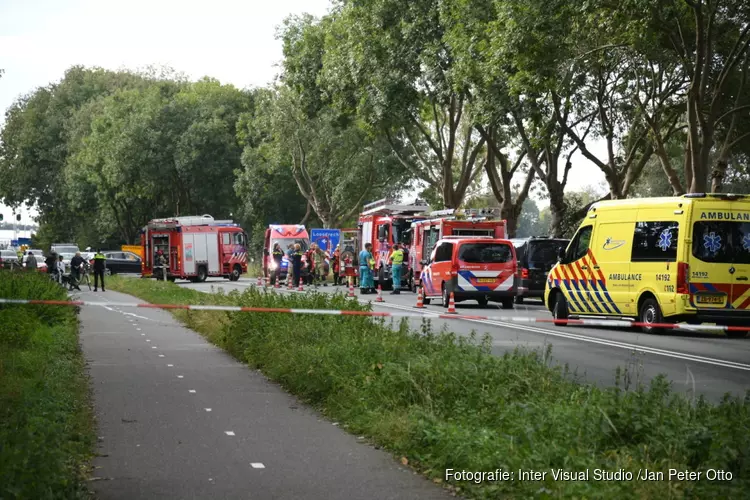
(447, 403)
(46, 423)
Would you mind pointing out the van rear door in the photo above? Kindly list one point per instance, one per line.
(720, 255)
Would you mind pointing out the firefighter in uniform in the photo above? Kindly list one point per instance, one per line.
(278, 255)
(100, 262)
(297, 263)
(336, 264)
(397, 260)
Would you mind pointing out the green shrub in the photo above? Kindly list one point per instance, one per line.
(446, 402)
(46, 425)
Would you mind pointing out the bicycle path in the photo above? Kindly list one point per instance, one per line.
(179, 418)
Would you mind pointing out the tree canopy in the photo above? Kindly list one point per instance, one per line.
(459, 100)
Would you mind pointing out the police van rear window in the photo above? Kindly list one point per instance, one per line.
(722, 242)
(485, 253)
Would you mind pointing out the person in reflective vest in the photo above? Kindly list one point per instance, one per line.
(366, 263)
(397, 260)
(100, 263)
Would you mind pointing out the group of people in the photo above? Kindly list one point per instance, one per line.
(56, 268)
(315, 259)
(367, 268)
(315, 262)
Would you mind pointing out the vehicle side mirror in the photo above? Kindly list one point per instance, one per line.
(424, 262)
(561, 254)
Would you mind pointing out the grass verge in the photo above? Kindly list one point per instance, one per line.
(46, 422)
(441, 402)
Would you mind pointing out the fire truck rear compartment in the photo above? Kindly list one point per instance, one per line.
(200, 250)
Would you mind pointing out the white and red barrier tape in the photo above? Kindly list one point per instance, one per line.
(339, 312)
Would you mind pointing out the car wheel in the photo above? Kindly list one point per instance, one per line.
(518, 299)
(650, 313)
(237, 272)
(507, 303)
(202, 274)
(732, 334)
(425, 300)
(483, 302)
(559, 308)
(446, 296)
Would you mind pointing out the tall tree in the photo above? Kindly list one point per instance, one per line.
(389, 61)
(711, 41)
(335, 167)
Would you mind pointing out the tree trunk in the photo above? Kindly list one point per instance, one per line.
(557, 208)
(507, 212)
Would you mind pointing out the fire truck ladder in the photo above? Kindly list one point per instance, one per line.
(392, 207)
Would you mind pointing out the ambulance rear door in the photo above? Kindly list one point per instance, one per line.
(720, 254)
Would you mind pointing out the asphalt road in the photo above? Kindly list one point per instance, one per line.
(696, 363)
(180, 419)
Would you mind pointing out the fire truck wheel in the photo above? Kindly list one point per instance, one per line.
(237, 272)
(202, 274)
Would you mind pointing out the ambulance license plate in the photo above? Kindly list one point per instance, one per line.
(711, 300)
(486, 280)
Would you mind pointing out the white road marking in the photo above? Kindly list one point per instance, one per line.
(192, 391)
(148, 340)
(595, 340)
(136, 316)
(161, 355)
(180, 376)
(258, 465)
(153, 347)
(137, 329)
(143, 335)
(230, 433)
(170, 366)
(208, 409)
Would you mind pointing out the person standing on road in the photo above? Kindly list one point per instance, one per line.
(366, 283)
(278, 256)
(336, 264)
(51, 262)
(297, 263)
(31, 262)
(100, 263)
(318, 258)
(76, 264)
(397, 260)
(60, 270)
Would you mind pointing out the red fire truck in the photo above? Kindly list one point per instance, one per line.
(285, 235)
(467, 222)
(384, 223)
(195, 248)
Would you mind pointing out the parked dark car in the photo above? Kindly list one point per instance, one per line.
(119, 262)
(536, 256)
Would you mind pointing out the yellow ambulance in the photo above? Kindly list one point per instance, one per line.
(658, 260)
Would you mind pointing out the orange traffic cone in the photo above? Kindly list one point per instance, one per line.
(379, 298)
(351, 287)
(301, 287)
(277, 284)
(420, 299)
(452, 305)
(289, 285)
